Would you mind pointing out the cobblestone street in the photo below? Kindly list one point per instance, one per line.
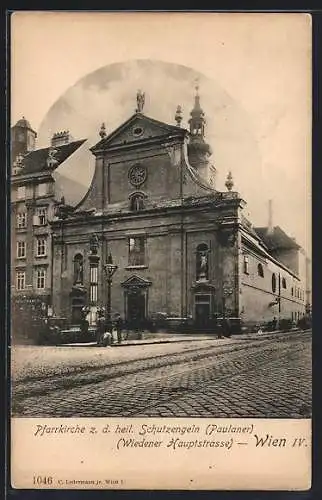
(255, 377)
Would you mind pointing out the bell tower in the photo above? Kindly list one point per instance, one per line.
(23, 138)
(199, 151)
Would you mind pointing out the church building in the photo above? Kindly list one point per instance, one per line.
(177, 246)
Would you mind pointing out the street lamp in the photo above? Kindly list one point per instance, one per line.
(109, 269)
(227, 291)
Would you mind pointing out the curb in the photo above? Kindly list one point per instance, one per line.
(241, 336)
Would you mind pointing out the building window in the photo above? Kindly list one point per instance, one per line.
(137, 251)
(260, 270)
(41, 278)
(202, 264)
(40, 218)
(283, 283)
(21, 192)
(21, 220)
(93, 288)
(21, 249)
(273, 282)
(137, 202)
(292, 291)
(21, 280)
(41, 247)
(78, 269)
(246, 264)
(42, 189)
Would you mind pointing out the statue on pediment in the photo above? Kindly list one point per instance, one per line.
(140, 101)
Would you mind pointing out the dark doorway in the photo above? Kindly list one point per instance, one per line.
(77, 305)
(202, 311)
(202, 315)
(136, 313)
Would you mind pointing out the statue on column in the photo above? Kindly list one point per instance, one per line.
(94, 244)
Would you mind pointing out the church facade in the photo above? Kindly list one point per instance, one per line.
(181, 248)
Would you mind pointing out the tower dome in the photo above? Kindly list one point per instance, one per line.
(23, 138)
(198, 149)
(23, 123)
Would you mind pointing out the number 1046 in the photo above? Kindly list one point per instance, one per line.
(43, 480)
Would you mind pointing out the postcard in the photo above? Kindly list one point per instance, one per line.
(160, 250)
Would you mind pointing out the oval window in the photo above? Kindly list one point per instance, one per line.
(137, 131)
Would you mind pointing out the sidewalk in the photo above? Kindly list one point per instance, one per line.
(186, 338)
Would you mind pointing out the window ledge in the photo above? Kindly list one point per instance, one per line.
(41, 256)
(143, 266)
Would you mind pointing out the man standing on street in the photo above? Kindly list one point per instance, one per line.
(118, 326)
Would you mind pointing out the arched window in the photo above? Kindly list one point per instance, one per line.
(202, 264)
(260, 270)
(137, 202)
(283, 283)
(78, 269)
(273, 282)
(246, 264)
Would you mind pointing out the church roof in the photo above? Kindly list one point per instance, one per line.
(249, 227)
(277, 239)
(36, 161)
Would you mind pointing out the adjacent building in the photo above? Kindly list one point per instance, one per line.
(33, 204)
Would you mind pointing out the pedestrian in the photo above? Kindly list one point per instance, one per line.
(226, 327)
(84, 321)
(100, 326)
(106, 339)
(118, 326)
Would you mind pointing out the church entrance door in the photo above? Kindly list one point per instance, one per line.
(202, 311)
(136, 310)
(136, 301)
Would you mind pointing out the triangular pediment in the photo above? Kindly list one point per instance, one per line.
(135, 281)
(137, 129)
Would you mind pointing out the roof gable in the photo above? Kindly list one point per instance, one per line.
(136, 281)
(136, 129)
(36, 161)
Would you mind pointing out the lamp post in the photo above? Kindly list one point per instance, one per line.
(109, 269)
(227, 291)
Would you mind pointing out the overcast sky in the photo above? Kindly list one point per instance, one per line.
(73, 71)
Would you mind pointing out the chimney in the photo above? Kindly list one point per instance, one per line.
(270, 228)
(61, 138)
